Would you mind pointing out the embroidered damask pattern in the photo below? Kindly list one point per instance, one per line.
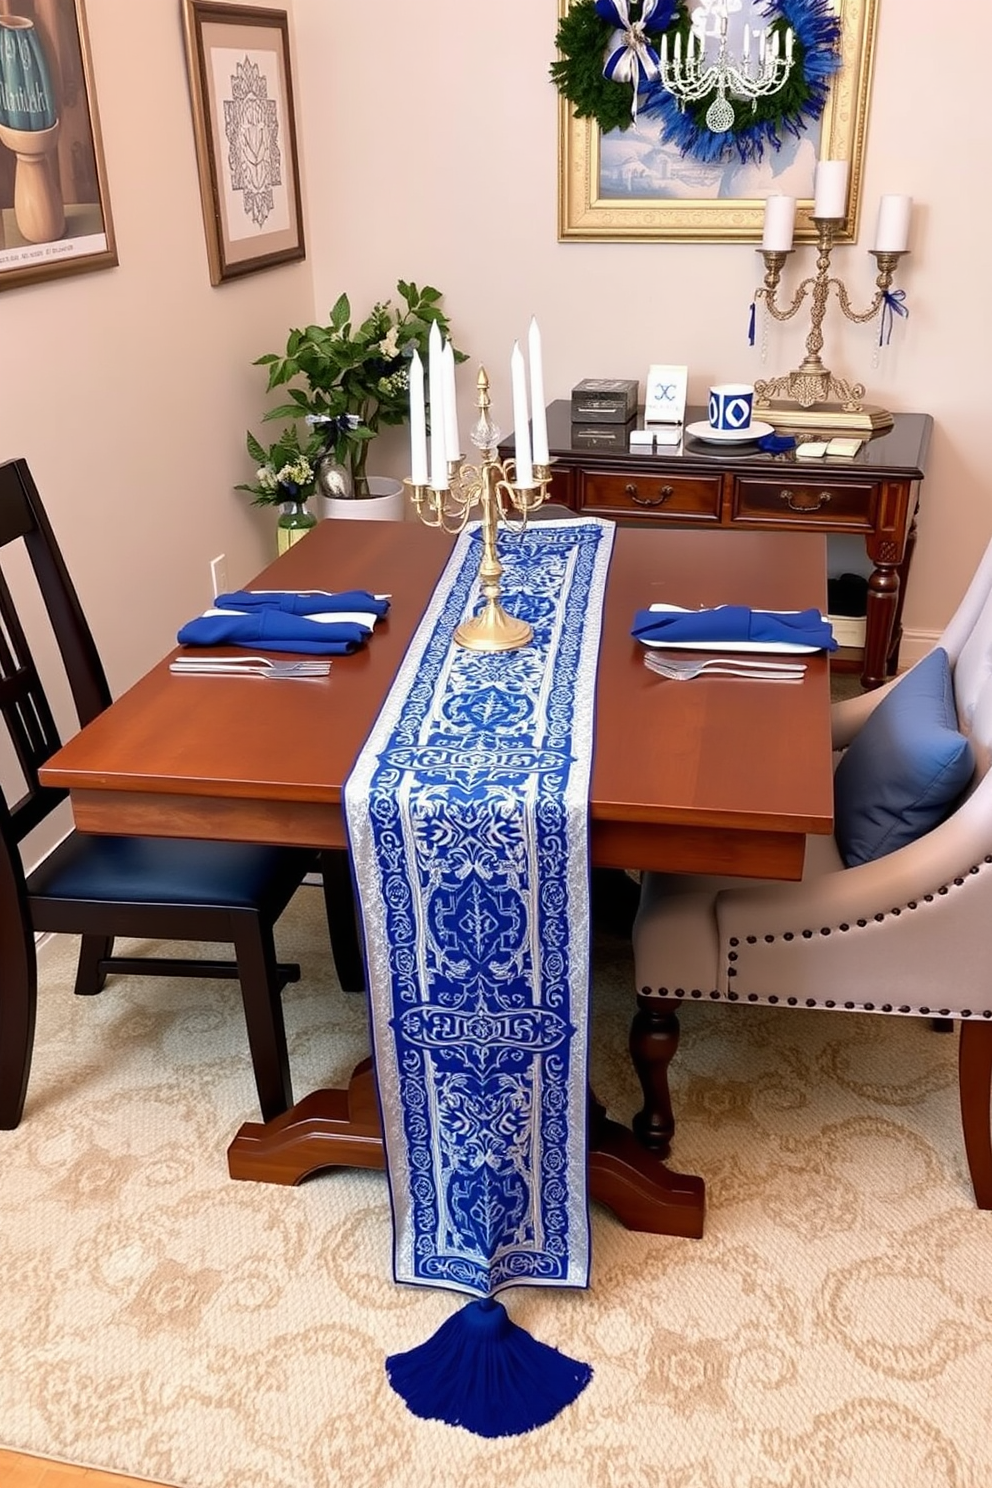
(252, 127)
(475, 788)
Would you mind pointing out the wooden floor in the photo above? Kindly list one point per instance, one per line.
(18, 1471)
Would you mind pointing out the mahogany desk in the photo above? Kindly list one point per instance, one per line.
(707, 487)
(716, 776)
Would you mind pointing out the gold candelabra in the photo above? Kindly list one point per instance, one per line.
(491, 487)
(810, 397)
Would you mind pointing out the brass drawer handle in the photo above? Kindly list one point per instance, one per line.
(662, 496)
(811, 504)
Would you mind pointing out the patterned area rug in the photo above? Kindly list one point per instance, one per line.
(833, 1327)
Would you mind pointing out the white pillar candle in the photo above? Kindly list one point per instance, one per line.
(780, 224)
(452, 438)
(538, 412)
(892, 232)
(435, 381)
(521, 429)
(830, 189)
(418, 423)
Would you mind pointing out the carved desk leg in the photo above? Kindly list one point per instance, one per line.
(883, 601)
(654, 1038)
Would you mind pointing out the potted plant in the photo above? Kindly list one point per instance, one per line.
(285, 477)
(347, 382)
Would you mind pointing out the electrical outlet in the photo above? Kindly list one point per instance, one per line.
(218, 574)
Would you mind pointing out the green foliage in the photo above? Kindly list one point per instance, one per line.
(582, 40)
(349, 380)
(285, 469)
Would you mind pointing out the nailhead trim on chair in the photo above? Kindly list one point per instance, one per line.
(811, 1002)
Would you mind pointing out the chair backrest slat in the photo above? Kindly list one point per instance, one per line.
(24, 705)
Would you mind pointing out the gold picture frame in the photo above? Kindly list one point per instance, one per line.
(244, 123)
(588, 214)
(54, 203)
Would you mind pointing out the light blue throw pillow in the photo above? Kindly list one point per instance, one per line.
(906, 768)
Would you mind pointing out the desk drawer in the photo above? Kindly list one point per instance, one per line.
(805, 499)
(654, 494)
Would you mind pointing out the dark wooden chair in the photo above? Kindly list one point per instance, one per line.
(147, 888)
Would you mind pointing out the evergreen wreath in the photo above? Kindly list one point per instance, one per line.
(584, 37)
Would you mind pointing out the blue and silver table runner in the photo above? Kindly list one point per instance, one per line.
(467, 815)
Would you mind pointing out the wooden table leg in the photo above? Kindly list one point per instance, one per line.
(340, 1129)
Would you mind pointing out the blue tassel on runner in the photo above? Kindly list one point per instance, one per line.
(481, 1371)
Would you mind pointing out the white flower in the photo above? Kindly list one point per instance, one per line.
(388, 345)
(267, 478)
(299, 472)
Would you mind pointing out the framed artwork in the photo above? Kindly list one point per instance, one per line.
(54, 206)
(639, 183)
(243, 120)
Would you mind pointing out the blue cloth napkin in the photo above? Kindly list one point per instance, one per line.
(776, 444)
(292, 602)
(734, 623)
(273, 630)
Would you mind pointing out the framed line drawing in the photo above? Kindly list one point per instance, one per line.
(632, 184)
(245, 129)
(54, 204)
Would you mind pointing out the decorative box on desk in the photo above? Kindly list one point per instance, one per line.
(604, 400)
(875, 493)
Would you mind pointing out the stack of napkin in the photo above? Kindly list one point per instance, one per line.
(732, 625)
(306, 621)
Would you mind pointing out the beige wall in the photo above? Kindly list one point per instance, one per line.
(432, 149)
(429, 152)
(128, 391)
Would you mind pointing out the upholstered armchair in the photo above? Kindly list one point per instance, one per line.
(906, 931)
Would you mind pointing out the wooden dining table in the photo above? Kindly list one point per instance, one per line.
(716, 776)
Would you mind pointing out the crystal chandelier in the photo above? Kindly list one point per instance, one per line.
(693, 76)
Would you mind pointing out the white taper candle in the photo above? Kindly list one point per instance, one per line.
(435, 380)
(418, 423)
(452, 438)
(538, 412)
(521, 429)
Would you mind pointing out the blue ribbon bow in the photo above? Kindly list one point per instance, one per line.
(893, 304)
(629, 58)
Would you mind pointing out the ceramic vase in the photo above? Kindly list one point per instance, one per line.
(29, 127)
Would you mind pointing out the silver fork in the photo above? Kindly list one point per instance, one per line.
(246, 666)
(755, 671)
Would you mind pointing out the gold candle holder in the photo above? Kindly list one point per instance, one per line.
(490, 487)
(810, 397)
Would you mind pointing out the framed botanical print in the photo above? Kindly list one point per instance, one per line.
(662, 175)
(245, 129)
(54, 205)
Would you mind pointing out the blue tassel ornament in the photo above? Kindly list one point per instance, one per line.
(481, 1371)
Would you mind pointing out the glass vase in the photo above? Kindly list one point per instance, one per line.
(294, 523)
